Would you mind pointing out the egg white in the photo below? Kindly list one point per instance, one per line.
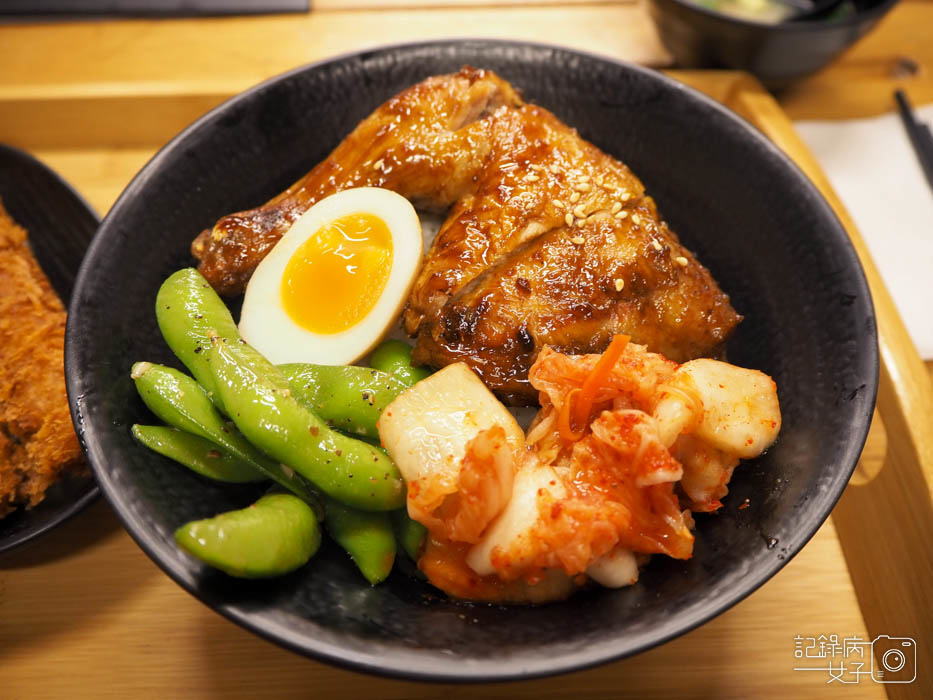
(266, 325)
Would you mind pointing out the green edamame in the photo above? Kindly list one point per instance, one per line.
(394, 357)
(350, 399)
(261, 404)
(188, 311)
(410, 533)
(289, 414)
(367, 537)
(181, 402)
(198, 454)
(274, 536)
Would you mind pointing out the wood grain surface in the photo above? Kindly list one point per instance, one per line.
(84, 613)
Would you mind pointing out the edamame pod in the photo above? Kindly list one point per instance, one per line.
(350, 398)
(198, 454)
(410, 533)
(367, 537)
(261, 404)
(180, 401)
(188, 310)
(274, 536)
(394, 357)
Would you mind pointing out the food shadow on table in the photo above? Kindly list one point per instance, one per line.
(87, 529)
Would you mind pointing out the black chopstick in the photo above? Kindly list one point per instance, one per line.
(920, 137)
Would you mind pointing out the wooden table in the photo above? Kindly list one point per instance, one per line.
(84, 613)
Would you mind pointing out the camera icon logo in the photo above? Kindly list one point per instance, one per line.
(893, 659)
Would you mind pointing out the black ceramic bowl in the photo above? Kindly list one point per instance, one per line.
(751, 216)
(60, 226)
(776, 53)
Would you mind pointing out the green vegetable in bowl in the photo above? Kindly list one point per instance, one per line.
(409, 533)
(291, 415)
(394, 357)
(367, 537)
(260, 402)
(274, 536)
(350, 398)
(181, 402)
(189, 311)
(198, 454)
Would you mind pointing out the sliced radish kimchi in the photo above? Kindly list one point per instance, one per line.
(625, 446)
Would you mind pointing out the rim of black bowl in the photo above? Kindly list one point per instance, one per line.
(25, 155)
(409, 664)
(803, 25)
(59, 506)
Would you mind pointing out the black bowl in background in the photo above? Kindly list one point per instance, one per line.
(60, 224)
(752, 217)
(777, 54)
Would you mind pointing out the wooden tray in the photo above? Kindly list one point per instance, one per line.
(85, 613)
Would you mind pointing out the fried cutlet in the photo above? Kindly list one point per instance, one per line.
(37, 440)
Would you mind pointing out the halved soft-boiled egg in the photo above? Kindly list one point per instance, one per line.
(336, 281)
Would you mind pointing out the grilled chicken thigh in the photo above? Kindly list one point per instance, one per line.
(557, 245)
(548, 240)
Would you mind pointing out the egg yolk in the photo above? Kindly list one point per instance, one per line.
(336, 276)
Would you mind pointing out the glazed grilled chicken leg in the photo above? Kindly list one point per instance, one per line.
(427, 143)
(548, 241)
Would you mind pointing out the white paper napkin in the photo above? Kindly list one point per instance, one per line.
(874, 170)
